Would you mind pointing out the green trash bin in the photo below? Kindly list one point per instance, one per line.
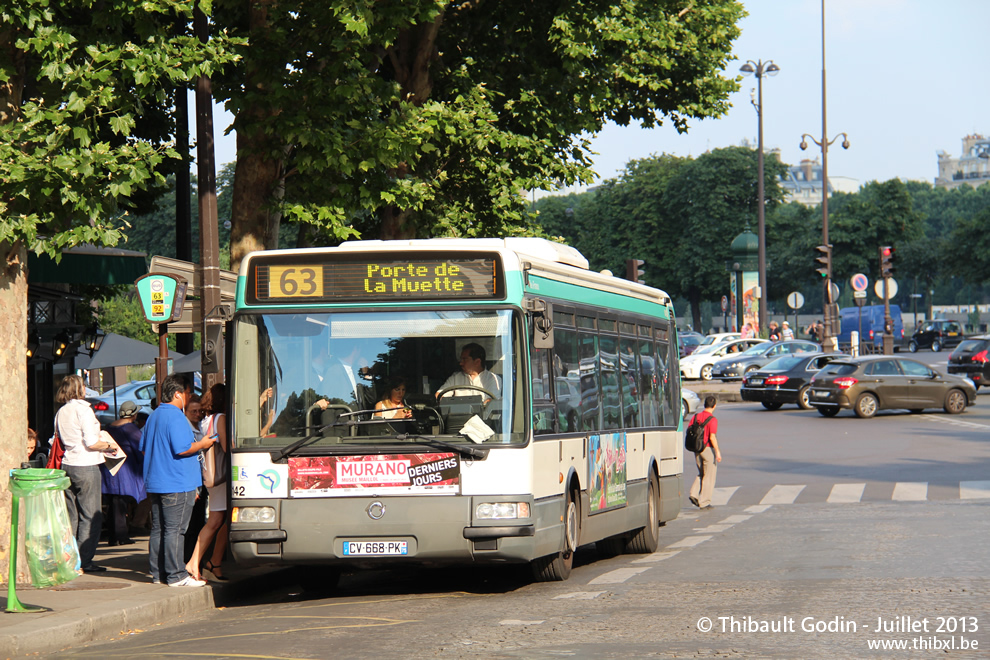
(53, 556)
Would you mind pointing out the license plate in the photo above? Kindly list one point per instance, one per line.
(375, 548)
(754, 381)
(820, 393)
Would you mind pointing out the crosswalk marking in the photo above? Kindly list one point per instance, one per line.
(974, 490)
(720, 496)
(953, 421)
(910, 491)
(713, 529)
(757, 508)
(656, 556)
(846, 493)
(732, 520)
(580, 595)
(782, 495)
(619, 575)
(689, 542)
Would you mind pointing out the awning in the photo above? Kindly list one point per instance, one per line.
(120, 351)
(88, 264)
(188, 364)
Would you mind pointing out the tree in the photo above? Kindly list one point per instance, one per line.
(426, 118)
(81, 138)
(707, 203)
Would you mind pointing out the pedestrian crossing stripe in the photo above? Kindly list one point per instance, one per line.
(849, 493)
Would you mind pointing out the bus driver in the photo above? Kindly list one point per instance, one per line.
(473, 372)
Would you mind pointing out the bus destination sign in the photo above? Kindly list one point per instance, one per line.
(417, 278)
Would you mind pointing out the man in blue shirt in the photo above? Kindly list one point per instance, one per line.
(171, 476)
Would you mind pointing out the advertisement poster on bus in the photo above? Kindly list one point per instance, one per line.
(607, 478)
(388, 474)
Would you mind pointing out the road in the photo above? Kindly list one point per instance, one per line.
(831, 535)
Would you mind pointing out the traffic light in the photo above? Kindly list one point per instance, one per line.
(634, 270)
(824, 260)
(886, 257)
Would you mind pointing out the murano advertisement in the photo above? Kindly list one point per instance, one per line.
(607, 480)
(388, 474)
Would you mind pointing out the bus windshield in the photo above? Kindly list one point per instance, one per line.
(377, 378)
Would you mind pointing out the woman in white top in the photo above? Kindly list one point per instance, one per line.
(84, 443)
(214, 402)
(393, 405)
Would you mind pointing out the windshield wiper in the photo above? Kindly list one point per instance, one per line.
(466, 450)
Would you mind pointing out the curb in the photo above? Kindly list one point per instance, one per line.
(147, 605)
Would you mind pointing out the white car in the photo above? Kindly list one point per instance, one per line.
(690, 403)
(720, 337)
(699, 364)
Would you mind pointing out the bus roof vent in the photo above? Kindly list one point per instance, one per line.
(541, 248)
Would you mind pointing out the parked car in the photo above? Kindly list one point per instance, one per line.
(970, 360)
(785, 380)
(141, 392)
(936, 334)
(734, 367)
(869, 384)
(720, 337)
(690, 402)
(699, 364)
(687, 342)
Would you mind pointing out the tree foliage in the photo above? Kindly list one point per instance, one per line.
(431, 117)
(83, 122)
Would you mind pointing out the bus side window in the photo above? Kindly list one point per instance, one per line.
(649, 376)
(668, 390)
(629, 363)
(590, 411)
(543, 407)
(567, 379)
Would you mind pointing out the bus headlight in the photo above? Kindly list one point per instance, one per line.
(501, 510)
(253, 514)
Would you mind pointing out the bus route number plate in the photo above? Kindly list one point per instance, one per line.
(375, 548)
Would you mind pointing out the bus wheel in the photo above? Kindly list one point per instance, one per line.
(318, 579)
(647, 540)
(557, 567)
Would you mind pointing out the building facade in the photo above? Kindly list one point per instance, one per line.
(972, 168)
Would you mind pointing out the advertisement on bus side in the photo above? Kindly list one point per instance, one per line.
(607, 480)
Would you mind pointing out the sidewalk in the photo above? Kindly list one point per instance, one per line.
(104, 606)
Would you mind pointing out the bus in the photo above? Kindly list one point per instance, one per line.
(567, 431)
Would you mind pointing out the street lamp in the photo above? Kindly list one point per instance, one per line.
(760, 69)
(824, 143)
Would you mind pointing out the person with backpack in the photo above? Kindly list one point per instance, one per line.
(708, 458)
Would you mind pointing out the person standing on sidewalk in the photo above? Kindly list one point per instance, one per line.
(214, 428)
(172, 476)
(708, 459)
(79, 431)
(128, 484)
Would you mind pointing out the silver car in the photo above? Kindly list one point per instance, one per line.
(141, 392)
(690, 403)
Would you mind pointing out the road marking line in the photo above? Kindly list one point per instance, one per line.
(720, 496)
(974, 490)
(619, 575)
(689, 542)
(954, 422)
(656, 556)
(846, 493)
(713, 529)
(910, 491)
(517, 622)
(732, 520)
(782, 495)
(757, 508)
(580, 595)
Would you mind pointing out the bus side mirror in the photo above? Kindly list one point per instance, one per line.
(541, 322)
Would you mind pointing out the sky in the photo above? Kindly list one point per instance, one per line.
(905, 79)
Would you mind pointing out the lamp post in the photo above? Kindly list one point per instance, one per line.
(827, 341)
(760, 69)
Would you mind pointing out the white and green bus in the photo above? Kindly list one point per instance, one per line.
(570, 433)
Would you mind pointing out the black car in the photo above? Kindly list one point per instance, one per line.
(785, 380)
(937, 334)
(881, 382)
(970, 360)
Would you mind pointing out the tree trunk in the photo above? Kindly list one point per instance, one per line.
(414, 51)
(694, 297)
(258, 176)
(13, 385)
